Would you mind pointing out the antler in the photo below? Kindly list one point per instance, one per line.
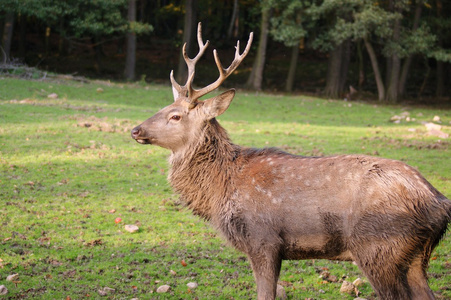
(187, 90)
(191, 63)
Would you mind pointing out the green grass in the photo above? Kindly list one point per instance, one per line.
(68, 169)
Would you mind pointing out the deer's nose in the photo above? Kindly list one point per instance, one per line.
(136, 132)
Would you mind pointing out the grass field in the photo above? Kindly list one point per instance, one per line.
(68, 169)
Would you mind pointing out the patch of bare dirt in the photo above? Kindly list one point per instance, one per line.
(410, 143)
(104, 124)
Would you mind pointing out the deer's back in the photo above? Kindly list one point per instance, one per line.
(313, 206)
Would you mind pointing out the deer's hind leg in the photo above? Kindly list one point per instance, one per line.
(417, 280)
(385, 271)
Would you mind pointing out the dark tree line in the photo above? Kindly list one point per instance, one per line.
(394, 48)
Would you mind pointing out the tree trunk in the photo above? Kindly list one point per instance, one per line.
(345, 60)
(408, 60)
(393, 85)
(392, 90)
(61, 38)
(388, 67)
(361, 65)
(48, 31)
(440, 88)
(256, 77)
(388, 59)
(425, 80)
(337, 70)
(333, 72)
(439, 91)
(189, 33)
(377, 73)
(233, 26)
(22, 35)
(7, 36)
(97, 47)
(292, 71)
(130, 55)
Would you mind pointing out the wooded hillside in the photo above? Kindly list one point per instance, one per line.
(389, 50)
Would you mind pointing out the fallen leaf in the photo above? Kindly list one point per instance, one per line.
(108, 289)
(105, 291)
(12, 277)
(3, 290)
(347, 287)
(358, 282)
(14, 234)
(97, 242)
(183, 263)
(163, 289)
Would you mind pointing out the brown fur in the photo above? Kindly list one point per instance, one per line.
(272, 205)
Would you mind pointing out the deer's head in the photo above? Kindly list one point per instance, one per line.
(179, 123)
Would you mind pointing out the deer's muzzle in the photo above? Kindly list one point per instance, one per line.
(138, 135)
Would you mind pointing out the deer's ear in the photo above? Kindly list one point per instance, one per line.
(216, 106)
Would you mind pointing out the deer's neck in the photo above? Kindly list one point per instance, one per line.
(202, 172)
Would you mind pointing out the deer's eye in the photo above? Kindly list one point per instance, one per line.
(176, 117)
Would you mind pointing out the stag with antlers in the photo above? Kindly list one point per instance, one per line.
(272, 205)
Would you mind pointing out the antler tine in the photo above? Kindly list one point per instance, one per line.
(223, 73)
(191, 64)
(175, 85)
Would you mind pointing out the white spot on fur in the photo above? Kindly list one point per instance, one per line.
(259, 189)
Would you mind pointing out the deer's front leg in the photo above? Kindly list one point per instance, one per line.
(266, 264)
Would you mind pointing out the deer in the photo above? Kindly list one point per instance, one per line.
(381, 214)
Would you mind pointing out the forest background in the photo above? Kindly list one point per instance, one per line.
(389, 50)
